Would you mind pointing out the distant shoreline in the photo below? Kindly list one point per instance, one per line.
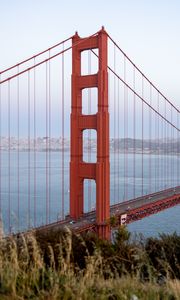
(92, 151)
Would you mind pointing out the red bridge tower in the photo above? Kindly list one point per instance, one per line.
(80, 170)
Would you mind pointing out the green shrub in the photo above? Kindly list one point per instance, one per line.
(60, 265)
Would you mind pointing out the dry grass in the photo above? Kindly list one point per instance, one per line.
(24, 274)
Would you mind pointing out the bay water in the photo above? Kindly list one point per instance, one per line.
(33, 196)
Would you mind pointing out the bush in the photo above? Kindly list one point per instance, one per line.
(60, 265)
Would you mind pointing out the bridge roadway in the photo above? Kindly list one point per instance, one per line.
(135, 209)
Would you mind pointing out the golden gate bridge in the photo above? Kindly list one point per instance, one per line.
(84, 136)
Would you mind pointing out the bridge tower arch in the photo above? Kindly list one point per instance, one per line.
(80, 170)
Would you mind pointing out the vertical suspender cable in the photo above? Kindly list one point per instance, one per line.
(142, 135)
(165, 154)
(47, 147)
(168, 153)
(154, 151)
(150, 140)
(134, 135)
(18, 173)
(172, 152)
(49, 150)
(114, 126)
(158, 145)
(34, 144)
(124, 129)
(126, 142)
(47, 144)
(162, 174)
(174, 156)
(173, 164)
(29, 179)
(166, 157)
(118, 163)
(127, 145)
(9, 157)
(63, 134)
(0, 154)
(178, 149)
(165, 148)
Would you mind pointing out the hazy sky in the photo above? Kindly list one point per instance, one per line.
(148, 31)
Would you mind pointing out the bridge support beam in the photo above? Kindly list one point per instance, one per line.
(79, 170)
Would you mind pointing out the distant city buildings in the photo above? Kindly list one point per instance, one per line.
(162, 146)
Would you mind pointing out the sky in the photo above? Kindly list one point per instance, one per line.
(148, 31)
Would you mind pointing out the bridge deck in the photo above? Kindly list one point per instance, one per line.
(135, 209)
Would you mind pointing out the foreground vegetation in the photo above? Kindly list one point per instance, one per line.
(59, 265)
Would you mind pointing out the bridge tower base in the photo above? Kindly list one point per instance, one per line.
(80, 170)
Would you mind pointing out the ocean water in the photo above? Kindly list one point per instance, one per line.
(31, 192)
(167, 221)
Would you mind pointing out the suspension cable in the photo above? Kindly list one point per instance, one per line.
(34, 56)
(47, 59)
(143, 74)
(132, 90)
